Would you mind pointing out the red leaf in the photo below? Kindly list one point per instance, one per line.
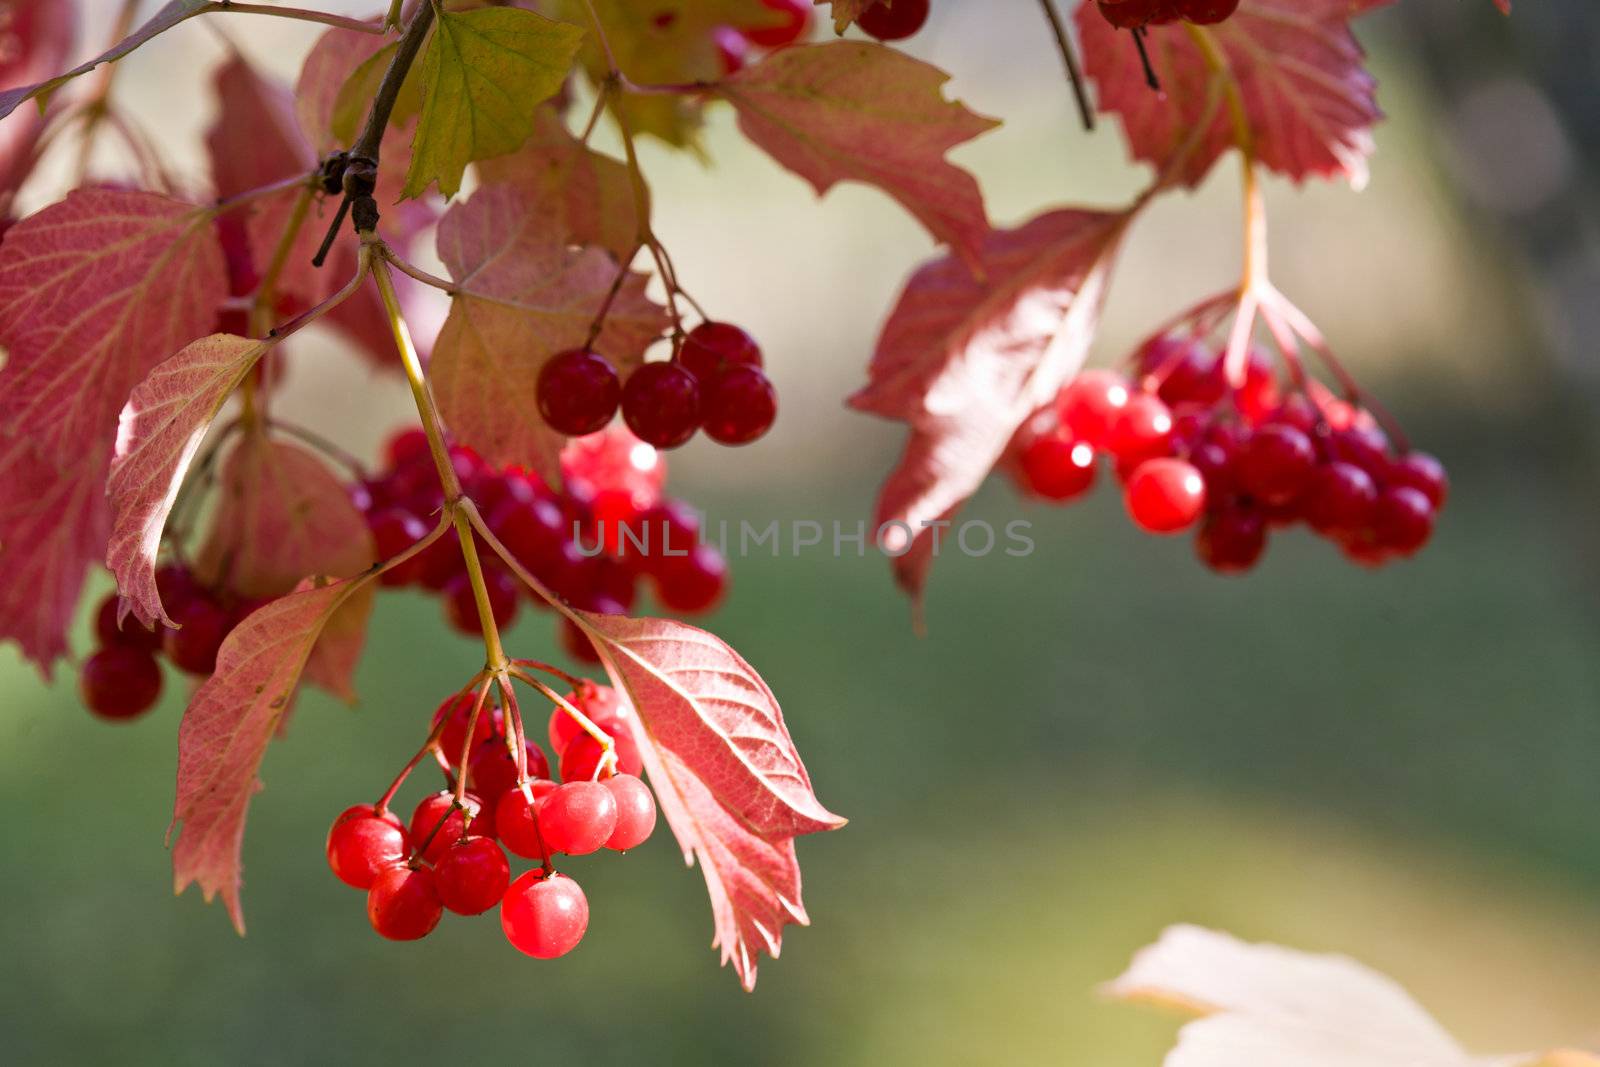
(35, 41)
(226, 729)
(524, 295)
(172, 13)
(965, 362)
(851, 111)
(281, 516)
(94, 292)
(53, 522)
(725, 770)
(590, 195)
(336, 56)
(162, 427)
(1308, 98)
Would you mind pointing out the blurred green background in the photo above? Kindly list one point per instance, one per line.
(1090, 743)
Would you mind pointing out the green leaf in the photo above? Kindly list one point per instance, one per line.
(484, 73)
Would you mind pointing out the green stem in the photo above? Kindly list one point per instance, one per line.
(460, 509)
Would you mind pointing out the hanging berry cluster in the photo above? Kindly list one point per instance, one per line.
(713, 383)
(593, 542)
(1237, 461)
(500, 798)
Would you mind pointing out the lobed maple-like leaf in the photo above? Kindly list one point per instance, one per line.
(523, 295)
(482, 75)
(227, 727)
(965, 361)
(324, 87)
(852, 111)
(160, 431)
(94, 292)
(725, 770)
(589, 195)
(36, 38)
(168, 16)
(1307, 97)
(1262, 1005)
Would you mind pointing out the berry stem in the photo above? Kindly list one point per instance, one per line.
(488, 683)
(265, 298)
(411, 764)
(459, 508)
(588, 725)
(554, 672)
(1069, 59)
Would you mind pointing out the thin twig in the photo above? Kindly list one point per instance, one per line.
(1069, 58)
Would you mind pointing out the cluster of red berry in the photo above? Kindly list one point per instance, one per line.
(714, 382)
(1190, 449)
(573, 541)
(122, 679)
(1135, 14)
(453, 853)
(886, 20)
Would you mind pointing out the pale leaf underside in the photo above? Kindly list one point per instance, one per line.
(725, 770)
(964, 362)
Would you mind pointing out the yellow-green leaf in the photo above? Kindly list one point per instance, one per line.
(483, 75)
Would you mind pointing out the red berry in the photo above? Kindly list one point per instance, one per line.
(493, 770)
(1367, 448)
(120, 682)
(1142, 429)
(1403, 520)
(712, 346)
(636, 812)
(578, 392)
(534, 531)
(516, 821)
(454, 736)
(661, 404)
(129, 633)
(461, 605)
(1275, 463)
(1131, 14)
(575, 643)
(1206, 12)
(1165, 495)
(472, 876)
(363, 842)
(598, 702)
(581, 757)
(670, 531)
(796, 22)
(893, 20)
(406, 447)
(403, 904)
(692, 584)
(1185, 370)
(741, 406)
(1422, 472)
(577, 818)
(1257, 397)
(1231, 541)
(1057, 467)
(544, 917)
(1340, 499)
(1090, 403)
(393, 531)
(202, 627)
(436, 825)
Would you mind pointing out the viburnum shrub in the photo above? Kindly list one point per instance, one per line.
(147, 318)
